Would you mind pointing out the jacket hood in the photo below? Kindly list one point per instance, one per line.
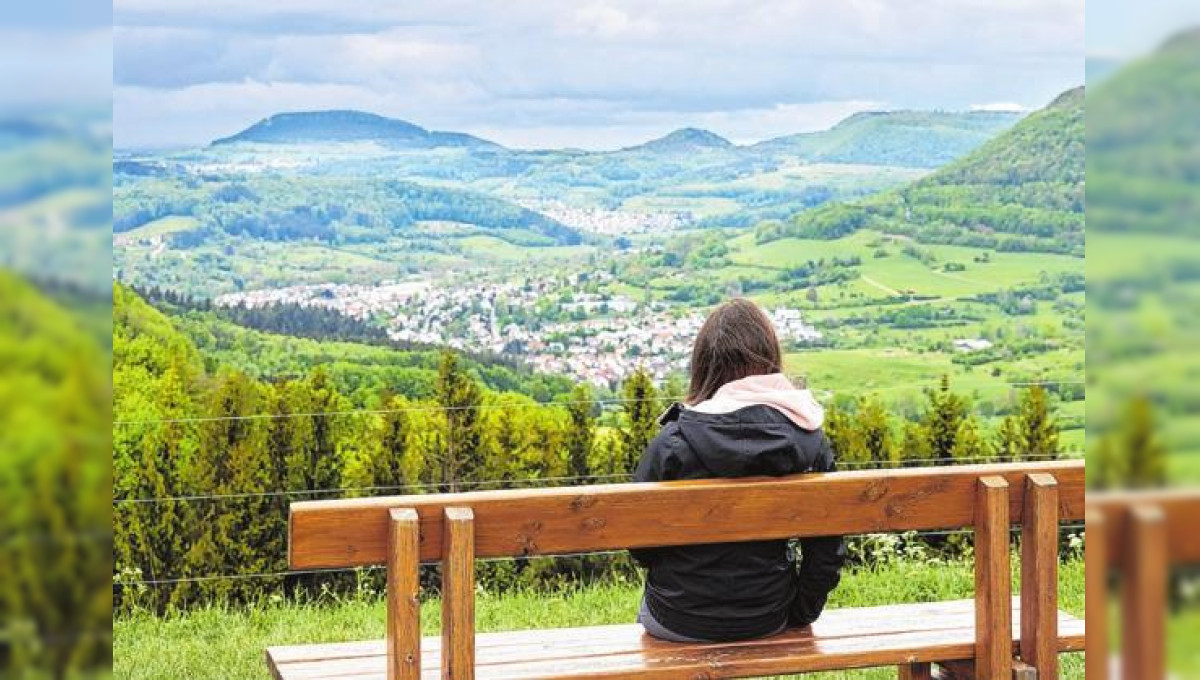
(741, 437)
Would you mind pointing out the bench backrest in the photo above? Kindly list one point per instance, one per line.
(558, 521)
(1141, 535)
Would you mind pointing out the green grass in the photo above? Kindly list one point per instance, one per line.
(224, 643)
(164, 226)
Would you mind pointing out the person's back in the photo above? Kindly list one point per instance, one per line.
(743, 418)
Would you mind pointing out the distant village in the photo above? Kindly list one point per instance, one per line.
(547, 321)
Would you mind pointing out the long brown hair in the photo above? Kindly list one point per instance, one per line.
(737, 340)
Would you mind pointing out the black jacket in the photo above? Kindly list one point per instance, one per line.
(734, 591)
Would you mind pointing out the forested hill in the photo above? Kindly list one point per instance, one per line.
(919, 139)
(1141, 157)
(317, 127)
(1022, 191)
(148, 342)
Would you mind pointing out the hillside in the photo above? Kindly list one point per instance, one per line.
(922, 139)
(315, 127)
(1022, 191)
(685, 140)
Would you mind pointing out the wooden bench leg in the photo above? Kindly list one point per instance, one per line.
(1039, 575)
(1144, 591)
(993, 581)
(458, 594)
(916, 671)
(1096, 596)
(403, 596)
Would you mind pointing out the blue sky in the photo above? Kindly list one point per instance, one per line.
(588, 73)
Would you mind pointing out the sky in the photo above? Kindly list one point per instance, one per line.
(595, 74)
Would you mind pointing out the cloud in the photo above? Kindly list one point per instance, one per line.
(521, 66)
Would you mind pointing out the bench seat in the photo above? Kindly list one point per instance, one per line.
(842, 638)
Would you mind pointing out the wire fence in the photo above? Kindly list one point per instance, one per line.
(435, 408)
(511, 483)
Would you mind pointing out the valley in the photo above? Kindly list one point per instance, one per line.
(592, 264)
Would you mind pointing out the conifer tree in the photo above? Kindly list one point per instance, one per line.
(844, 437)
(580, 433)
(1009, 440)
(1038, 425)
(460, 398)
(942, 422)
(1146, 458)
(914, 448)
(875, 433)
(969, 444)
(641, 409)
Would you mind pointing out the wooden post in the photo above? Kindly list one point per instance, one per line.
(1039, 575)
(1144, 591)
(1024, 671)
(403, 596)
(993, 581)
(1096, 596)
(916, 671)
(458, 594)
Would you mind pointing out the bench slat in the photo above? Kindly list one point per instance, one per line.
(843, 638)
(556, 521)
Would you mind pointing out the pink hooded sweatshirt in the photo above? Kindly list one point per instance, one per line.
(774, 390)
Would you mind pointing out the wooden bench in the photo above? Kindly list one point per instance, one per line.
(1141, 535)
(993, 635)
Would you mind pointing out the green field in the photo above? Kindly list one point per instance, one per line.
(229, 644)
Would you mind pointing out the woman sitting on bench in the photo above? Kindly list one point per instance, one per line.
(742, 418)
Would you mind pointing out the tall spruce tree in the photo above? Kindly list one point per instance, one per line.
(460, 398)
(1038, 425)
(1009, 441)
(875, 433)
(1145, 456)
(943, 420)
(581, 433)
(641, 409)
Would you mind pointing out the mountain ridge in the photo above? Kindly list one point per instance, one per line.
(349, 125)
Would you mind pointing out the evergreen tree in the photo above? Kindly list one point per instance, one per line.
(969, 444)
(844, 437)
(1105, 469)
(1145, 456)
(1009, 441)
(914, 448)
(875, 433)
(641, 408)
(388, 456)
(1038, 425)
(580, 434)
(943, 420)
(460, 398)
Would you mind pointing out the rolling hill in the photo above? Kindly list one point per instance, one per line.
(316, 127)
(919, 139)
(685, 140)
(1021, 191)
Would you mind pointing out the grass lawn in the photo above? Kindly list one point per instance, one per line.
(229, 644)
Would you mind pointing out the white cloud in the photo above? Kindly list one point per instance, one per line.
(1001, 107)
(601, 70)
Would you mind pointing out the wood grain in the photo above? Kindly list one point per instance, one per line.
(403, 596)
(1181, 512)
(458, 595)
(1096, 595)
(993, 580)
(1039, 575)
(893, 635)
(348, 533)
(1144, 593)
